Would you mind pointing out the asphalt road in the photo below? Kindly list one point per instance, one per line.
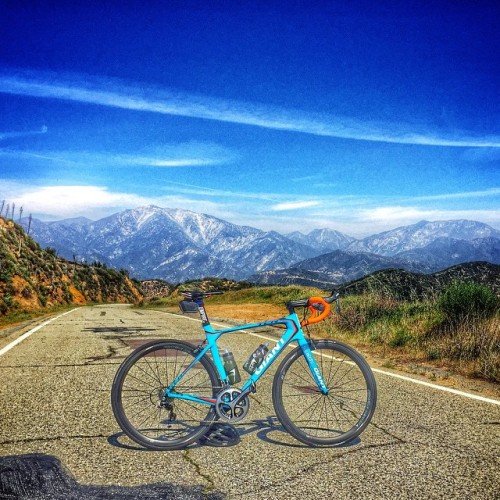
(55, 401)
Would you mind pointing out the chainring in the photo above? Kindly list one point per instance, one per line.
(227, 410)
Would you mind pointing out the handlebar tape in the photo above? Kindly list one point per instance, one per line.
(316, 315)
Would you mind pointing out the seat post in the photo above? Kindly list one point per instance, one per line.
(197, 298)
(203, 312)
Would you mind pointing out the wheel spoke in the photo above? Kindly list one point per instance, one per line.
(139, 404)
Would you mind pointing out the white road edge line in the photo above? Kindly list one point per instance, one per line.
(438, 387)
(382, 372)
(24, 336)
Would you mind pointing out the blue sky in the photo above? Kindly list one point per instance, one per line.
(356, 116)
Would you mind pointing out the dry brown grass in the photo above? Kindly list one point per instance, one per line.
(245, 313)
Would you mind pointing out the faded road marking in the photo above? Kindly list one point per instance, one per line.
(8, 347)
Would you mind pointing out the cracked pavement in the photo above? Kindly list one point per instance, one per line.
(55, 400)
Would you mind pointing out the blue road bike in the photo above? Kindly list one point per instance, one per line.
(168, 393)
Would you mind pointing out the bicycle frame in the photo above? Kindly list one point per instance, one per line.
(293, 333)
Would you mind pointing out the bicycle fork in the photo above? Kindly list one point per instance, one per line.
(313, 365)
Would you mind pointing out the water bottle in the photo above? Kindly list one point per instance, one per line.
(254, 361)
(231, 367)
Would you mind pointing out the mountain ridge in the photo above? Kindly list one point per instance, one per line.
(177, 245)
(422, 233)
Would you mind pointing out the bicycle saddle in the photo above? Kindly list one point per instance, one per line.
(196, 294)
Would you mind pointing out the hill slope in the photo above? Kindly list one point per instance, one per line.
(334, 268)
(32, 278)
(404, 285)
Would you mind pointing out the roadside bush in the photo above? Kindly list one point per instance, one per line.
(358, 312)
(471, 301)
(400, 338)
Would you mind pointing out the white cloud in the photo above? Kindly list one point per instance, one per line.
(394, 216)
(95, 202)
(72, 201)
(119, 94)
(357, 217)
(294, 205)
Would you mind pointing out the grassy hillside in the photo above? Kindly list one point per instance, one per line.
(34, 279)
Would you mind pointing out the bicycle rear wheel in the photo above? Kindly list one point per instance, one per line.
(325, 420)
(138, 388)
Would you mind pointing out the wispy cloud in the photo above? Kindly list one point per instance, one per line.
(181, 187)
(178, 155)
(27, 133)
(463, 195)
(119, 94)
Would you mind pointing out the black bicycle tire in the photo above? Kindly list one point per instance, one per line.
(117, 401)
(280, 408)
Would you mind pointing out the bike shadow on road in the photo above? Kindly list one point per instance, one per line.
(261, 428)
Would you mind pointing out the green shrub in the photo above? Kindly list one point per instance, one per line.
(470, 301)
(400, 338)
(434, 353)
(7, 300)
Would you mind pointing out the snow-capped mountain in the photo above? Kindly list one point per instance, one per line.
(171, 244)
(426, 251)
(421, 234)
(323, 240)
(176, 245)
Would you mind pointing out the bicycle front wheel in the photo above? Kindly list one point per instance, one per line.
(138, 388)
(325, 420)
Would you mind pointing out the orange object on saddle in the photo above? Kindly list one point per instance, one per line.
(316, 315)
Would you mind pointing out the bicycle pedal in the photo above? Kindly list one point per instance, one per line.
(220, 435)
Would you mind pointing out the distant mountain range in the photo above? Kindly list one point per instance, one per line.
(177, 245)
